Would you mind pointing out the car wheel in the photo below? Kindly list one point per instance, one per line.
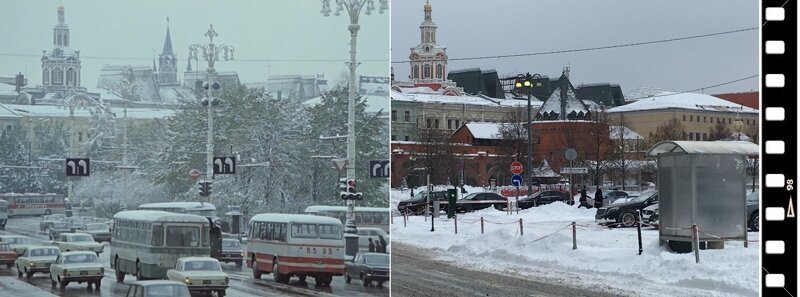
(47, 212)
(118, 273)
(239, 265)
(754, 218)
(62, 284)
(380, 284)
(279, 278)
(347, 278)
(627, 219)
(365, 281)
(19, 272)
(221, 293)
(28, 274)
(52, 282)
(97, 284)
(139, 271)
(8, 266)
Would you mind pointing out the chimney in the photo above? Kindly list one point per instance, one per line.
(19, 82)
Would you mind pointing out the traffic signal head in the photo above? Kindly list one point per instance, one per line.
(351, 186)
(205, 188)
(452, 194)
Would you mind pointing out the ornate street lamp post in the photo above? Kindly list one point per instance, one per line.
(210, 53)
(525, 82)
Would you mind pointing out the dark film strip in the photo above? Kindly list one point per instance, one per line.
(779, 147)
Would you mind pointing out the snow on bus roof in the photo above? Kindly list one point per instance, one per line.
(300, 218)
(184, 205)
(315, 208)
(157, 215)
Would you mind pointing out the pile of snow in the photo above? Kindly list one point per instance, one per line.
(605, 256)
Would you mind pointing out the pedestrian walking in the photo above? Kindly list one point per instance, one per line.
(598, 198)
(378, 247)
(583, 199)
(383, 243)
(371, 245)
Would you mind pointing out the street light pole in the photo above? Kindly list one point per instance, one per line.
(526, 82)
(210, 53)
(353, 9)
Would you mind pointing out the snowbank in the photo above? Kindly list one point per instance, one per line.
(605, 257)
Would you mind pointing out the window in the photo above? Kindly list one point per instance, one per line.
(394, 138)
(691, 118)
(71, 77)
(458, 124)
(684, 135)
(439, 70)
(58, 76)
(426, 71)
(330, 232)
(304, 230)
(415, 70)
(450, 124)
(407, 138)
(704, 119)
(429, 123)
(705, 136)
(158, 236)
(80, 136)
(394, 116)
(46, 76)
(407, 116)
(691, 136)
(684, 118)
(436, 123)
(697, 136)
(729, 120)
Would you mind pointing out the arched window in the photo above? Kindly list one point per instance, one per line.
(71, 77)
(426, 71)
(415, 70)
(66, 40)
(58, 76)
(59, 39)
(439, 71)
(45, 76)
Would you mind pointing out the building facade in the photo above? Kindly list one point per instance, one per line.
(61, 66)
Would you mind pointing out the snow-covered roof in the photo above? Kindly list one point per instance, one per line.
(481, 130)
(155, 215)
(690, 101)
(627, 134)
(545, 170)
(705, 147)
(298, 218)
(468, 100)
(6, 89)
(57, 111)
(178, 205)
(553, 104)
(6, 112)
(317, 208)
(374, 103)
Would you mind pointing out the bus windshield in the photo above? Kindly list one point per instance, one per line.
(182, 236)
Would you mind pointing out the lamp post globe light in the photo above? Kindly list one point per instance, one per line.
(525, 82)
(210, 53)
(353, 9)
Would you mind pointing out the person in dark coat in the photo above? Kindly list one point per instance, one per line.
(598, 198)
(383, 244)
(371, 245)
(583, 199)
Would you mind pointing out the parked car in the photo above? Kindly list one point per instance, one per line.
(200, 274)
(364, 233)
(650, 215)
(77, 242)
(36, 259)
(625, 214)
(18, 243)
(461, 206)
(543, 197)
(58, 228)
(416, 204)
(231, 252)
(99, 231)
(752, 211)
(48, 220)
(368, 267)
(7, 255)
(157, 288)
(76, 267)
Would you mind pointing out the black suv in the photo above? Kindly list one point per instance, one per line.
(416, 204)
(625, 214)
(487, 196)
(543, 197)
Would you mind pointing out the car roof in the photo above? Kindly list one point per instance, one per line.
(371, 254)
(13, 236)
(185, 259)
(42, 247)
(77, 253)
(75, 234)
(148, 283)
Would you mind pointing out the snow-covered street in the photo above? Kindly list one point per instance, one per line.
(605, 257)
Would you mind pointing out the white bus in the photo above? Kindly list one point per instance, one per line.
(146, 243)
(299, 245)
(377, 217)
(195, 208)
(34, 204)
(3, 214)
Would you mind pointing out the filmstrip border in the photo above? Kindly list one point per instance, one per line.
(778, 147)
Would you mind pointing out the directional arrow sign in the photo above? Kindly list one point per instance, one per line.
(516, 180)
(224, 165)
(379, 168)
(78, 167)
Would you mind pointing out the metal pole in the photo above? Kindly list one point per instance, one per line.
(455, 223)
(575, 240)
(209, 114)
(520, 226)
(432, 229)
(351, 119)
(125, 143)
(571, 194)
(481, 225)
(530, 142)
(639, 233)
(696, 243)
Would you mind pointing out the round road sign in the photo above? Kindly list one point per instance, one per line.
(571, 154)
(194, 173)
(516, 168)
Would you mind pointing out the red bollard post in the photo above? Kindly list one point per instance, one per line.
(574, 240)
(481, 225)
(520, 226)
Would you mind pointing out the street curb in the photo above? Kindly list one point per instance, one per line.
(282, 287)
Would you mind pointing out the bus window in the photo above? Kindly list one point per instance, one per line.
(330, 232)
(158, 236)
(178, 236)
(304, 230)
(204, 236)
(384, 218)
(270, 231)
(282, 234)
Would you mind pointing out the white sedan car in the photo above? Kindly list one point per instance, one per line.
(200, 274)
(18, 243)
(36, 259)
(76, 267)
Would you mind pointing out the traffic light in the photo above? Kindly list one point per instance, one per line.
(452, 196)
(350, 193)
(205, 188)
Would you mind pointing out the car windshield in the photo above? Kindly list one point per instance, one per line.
(752, 197)
(470, 196)
(230, 243)
(167, 291)
(80, 258)
(201, 266)
(81, 238)
(44, 252)
(644, 196)
(60, 225)
(17, 240)
(377, 259)
(96, 227)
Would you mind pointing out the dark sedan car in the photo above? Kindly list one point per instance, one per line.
(368, 267)
(60, 227)
(416, 204)
(463, 206)
(231, 252)
(752, 211)
(625, 214)
(543, 197)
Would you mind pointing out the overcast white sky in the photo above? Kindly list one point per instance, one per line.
(470, 28)
(133, 32)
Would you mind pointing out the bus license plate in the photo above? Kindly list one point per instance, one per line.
(84, 273)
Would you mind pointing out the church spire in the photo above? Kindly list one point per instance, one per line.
(167, 63)
(167, 42)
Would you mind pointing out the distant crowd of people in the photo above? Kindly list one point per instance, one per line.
(377, 246)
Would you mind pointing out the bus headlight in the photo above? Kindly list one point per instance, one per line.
(188, 281)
